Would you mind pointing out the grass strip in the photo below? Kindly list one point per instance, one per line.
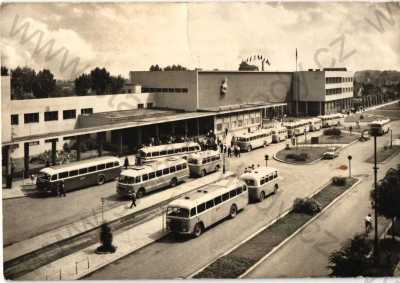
(384, 153)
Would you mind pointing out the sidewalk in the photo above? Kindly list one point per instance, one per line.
(20, 189)
(94, 221)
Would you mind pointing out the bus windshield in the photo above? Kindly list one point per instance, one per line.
(44, 176)
(250, 182)
(126, 179)
(193, 161)
(178, 212)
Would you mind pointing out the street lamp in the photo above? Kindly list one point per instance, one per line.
(102, 209)
(375, 132)
(305, 135)
(266, 160)
(349, 158)
(391, 137)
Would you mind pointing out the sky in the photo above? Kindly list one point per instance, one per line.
(72, 38)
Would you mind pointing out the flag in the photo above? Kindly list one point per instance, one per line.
(269, 64)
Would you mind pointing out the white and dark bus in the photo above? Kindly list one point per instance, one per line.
(204, 162)
(79, 174)
(152, 176)
(198, 210)
(297, 128)
(261, 182)
(252, 140)
(382, 126)
(331, 120)
(315, 124)
(279, 134)
(150, 153)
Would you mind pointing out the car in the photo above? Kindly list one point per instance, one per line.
(330, 154)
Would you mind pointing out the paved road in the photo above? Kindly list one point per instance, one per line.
(306, 255)
(170, 258)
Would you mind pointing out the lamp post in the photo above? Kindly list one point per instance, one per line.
(305, 135)
(349, 158)
(374, 132)
(102, 209)
(391, 137)
(266, 160)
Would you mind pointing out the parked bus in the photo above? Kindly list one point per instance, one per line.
(331, 120)
(296, 128)
(315, 124)
(261, 182)
(198, 210)
(183, 149)
(382, 126)
(204, 162)
(279, 134)
(79, 174)
(249, 141)
(152, 176)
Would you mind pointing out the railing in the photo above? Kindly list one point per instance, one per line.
(74, 269)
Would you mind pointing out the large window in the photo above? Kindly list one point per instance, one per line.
(87, 111)
(31, 118)
(140, 106)
(51, 116)
(69, 114)
(14, 119)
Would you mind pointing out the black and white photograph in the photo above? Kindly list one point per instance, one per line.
(200, 140)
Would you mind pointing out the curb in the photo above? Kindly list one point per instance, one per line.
(275, 249)
(256, 232)
(291, 163)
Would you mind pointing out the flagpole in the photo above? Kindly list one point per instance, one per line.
(297, 89)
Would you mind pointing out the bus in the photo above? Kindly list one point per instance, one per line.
(331, 120)
(249, 141)
(382, 126)
(296, 128)
(152, 176)
(200, 209)
(79, 174)
(279, 134)
(315, 124)
(150, 153)
(204, 162)
(261, 182)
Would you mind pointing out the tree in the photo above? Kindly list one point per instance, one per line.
(353, 259)
(388, 191)
(22, 80)
(175, 68)
(100, 80)
(4, 71)
(44, 84)
(82, 84)
(155, 68)
(116, 84)
(247, 67)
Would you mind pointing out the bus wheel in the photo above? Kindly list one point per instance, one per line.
(262, 196)
(276, 187)
(249, 148)
(173, 182)
(140, 193)
(198, 230)
(100, 180)
(233, 211)
(217, 168)
(203, 172)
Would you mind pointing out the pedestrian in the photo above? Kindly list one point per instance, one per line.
(252, 166)
(126, 162)
(225, 149)
(47, 163)
(226, 132)
(233, 141)
(133, 199)
(62, 189)
(221, 147)
(238, 150)
(229, 152)
(368, 223)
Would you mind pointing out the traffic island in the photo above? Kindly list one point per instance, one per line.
(236, 263)
(301, 155)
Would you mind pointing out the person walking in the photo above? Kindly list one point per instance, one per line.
(229, 152)
(61, 192)
(221, 147)
(133, 199)
(368, 223)
(238, 151)
(126, 162)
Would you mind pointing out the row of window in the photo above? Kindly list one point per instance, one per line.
(170, 151)
(332, 91)
(205, 160)
(165, 90)
(152, 175)
(256, 137)
(219, 199)
(238, 123)
(91, 169)
(336, 80)
(49, 116)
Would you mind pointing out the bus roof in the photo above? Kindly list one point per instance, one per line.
(331, 116)
(380, 122)
(147, 149)
(79, 164)
(202, 154)
(206, 193)
(258, 173)
(252, 134)
(139, 170)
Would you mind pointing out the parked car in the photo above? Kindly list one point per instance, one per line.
(330, 154)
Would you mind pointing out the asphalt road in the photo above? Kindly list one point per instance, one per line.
(171, 258)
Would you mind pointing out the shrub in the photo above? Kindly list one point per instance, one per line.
(361, 116)
(332, 132)
(297, 156)
(339, 181)
(308, 206)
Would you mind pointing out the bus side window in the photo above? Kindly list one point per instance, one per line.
(163, 152)
(270, 177)
(275, 174)
(225, 196)
(204, 161)
(165, 171)
(92, 169)
(152, 175)
(137, 179)
(201, 207)
(83, 171)
(148, 154)
(145, 177)
(239, 190)
(218, 200)
(193, 211)
(178, 167)
(244, 188)
(109, 165)
(63, 175)
(101, 166)
(209, 204)
(73, 173)
(172, 169)
(176, 150)
(232, 193)
(116, 163)
(170, 151)
(192, 148)
(262, 181)
(184, 149)
(184, 166)
(159, 173)
(54, 177)
(156, 153)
